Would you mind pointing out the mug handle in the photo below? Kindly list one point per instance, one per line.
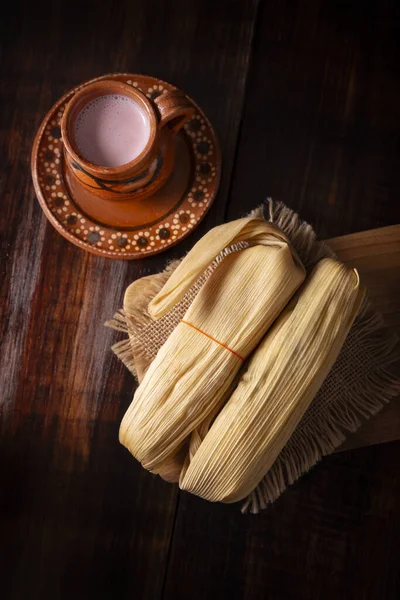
(174, 109)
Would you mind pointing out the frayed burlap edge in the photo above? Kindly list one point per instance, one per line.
(312, 439)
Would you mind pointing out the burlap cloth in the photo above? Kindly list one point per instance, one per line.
(357, 387)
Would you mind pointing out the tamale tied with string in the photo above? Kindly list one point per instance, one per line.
(193, 370)
(281, 411)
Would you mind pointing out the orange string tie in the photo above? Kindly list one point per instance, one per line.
(213, 339)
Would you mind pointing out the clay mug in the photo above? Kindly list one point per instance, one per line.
(148, 171)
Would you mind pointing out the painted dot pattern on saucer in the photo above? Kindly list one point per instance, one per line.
(134, 242)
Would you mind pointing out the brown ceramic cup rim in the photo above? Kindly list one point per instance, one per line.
(84, 96)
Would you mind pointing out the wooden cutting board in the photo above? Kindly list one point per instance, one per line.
(376, 255)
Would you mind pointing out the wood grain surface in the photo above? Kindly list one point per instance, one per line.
(305, 98)
(376, 255)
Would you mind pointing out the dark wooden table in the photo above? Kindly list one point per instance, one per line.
(305, 97)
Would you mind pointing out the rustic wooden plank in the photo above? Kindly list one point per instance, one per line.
(322, 115)
(376, 255)
(333, 535)
(80, 517)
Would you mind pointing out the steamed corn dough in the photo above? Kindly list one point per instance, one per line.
(283, 376)
(191, 373)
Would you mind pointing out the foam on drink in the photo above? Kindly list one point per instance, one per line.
(111, 130)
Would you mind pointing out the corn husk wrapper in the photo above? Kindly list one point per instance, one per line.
(191, 374)
(283, 376)
(359, 384)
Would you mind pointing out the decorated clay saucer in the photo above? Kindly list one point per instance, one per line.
(128, 228)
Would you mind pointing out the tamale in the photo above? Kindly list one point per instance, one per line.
(283, 376)
(192, 371)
